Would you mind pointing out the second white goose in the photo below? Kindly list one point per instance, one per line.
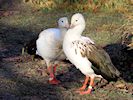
(49, 46)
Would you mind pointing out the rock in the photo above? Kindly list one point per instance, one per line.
(43, 62)
(120, 85)
(42, 72)
(130, 88)
(124, 90)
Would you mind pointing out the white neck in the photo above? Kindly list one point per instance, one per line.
(63, 32)
(74, 33)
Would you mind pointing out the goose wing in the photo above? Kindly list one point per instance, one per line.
(101, 62)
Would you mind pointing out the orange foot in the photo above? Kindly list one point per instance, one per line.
(54, 81)
(85, 92)
(81, 89)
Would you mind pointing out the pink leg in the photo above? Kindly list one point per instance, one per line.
(84, 84)
(52, 79)
(55, 67)
(89, 88)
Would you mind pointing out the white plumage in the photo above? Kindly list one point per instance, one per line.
(70, 44)
(82, 52)
(49, 44)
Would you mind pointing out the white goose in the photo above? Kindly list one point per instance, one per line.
(91, 60)
(49, 46)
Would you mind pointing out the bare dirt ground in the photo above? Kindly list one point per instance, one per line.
(22, 78)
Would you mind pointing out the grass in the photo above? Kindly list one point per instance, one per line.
(101, 27)
(77, 5)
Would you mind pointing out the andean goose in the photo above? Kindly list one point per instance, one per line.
(91, 60)
(49, 46)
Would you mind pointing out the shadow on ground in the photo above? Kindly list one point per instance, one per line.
(12, 40)
(122, 59)
(15, 84)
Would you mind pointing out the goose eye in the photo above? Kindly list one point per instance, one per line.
(62, 21)
(76, 20)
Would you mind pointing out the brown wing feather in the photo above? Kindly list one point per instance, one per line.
(101, 62)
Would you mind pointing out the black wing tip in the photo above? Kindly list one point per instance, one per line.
(115, 78)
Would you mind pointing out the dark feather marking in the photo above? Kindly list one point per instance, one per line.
(81, 43)
(75, 51)
(83, 54)
(84, 45)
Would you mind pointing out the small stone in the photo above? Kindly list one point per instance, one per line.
(124, 90)
(120, 85)
(42, 62)
(36, 66)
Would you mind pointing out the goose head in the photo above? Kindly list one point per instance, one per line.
(77, 20)
(63, 22)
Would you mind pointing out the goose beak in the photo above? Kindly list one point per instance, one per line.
(72, 26)
(67, 26)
